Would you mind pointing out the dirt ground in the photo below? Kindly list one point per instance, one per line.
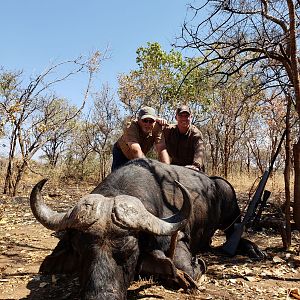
(24, 243)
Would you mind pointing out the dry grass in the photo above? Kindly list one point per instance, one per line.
(244, 183)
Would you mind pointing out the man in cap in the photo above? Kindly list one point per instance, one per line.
(184, 141)
(138, 138)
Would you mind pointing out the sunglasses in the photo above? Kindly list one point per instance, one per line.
(151, 121)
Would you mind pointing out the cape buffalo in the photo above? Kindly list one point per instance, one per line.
(123, 228)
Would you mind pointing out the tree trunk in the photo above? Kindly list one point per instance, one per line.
(296, 84)
(287, 175)
(248, 161)
(226, 154)
(8, 178)
(8, 185)
(296, 208)
(20, 173)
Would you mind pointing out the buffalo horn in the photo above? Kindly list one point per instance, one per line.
(130, 213)
(90, 209)
(43, 213)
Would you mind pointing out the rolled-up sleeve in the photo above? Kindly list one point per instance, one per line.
(198, 151)
(157, 133)
(130, 135)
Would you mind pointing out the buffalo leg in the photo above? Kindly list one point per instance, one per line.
(184, 261)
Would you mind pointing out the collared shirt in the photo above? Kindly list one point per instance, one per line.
(134, 134)
(184, 149)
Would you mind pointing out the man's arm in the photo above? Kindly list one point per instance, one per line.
(198, 160)
(130, 141)
(162, 152)
(160, 143)
(135, 150)
(161, 149)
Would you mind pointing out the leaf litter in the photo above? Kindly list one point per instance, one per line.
(24, 244)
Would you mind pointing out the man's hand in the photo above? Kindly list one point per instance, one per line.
(193, 167)
(161, 121)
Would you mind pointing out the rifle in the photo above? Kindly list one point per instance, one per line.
(232, 242)
(263, 203)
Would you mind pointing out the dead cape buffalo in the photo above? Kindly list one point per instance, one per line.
(127, 225)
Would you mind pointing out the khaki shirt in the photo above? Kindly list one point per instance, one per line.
(184, 149)
(133, 134)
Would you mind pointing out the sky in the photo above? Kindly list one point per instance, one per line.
(36, 33)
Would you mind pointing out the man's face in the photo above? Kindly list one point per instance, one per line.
(146, 124)
(183, 120)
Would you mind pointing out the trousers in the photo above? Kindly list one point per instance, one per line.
(119, 159)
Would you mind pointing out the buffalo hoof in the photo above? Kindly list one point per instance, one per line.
(185, 281)
(199, 267)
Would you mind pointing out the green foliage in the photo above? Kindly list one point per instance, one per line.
(163, 80)
(154, 57)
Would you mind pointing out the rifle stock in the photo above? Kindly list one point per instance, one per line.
(231, 244)
(256, 198)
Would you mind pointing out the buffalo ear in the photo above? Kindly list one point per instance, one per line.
(63, 259)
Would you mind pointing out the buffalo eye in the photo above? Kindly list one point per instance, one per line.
(124, 248)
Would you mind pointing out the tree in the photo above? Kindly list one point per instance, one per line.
(228, 119)
(158, 81)
(78, 158)
(57, 140)
(262, 34)
(31, 115)
(102, 127)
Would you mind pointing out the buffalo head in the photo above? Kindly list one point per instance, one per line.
(102, 236)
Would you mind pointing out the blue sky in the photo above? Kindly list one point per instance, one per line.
(38, 32)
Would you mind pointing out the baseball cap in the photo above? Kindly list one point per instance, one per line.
(147, 112)
(183, 108)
